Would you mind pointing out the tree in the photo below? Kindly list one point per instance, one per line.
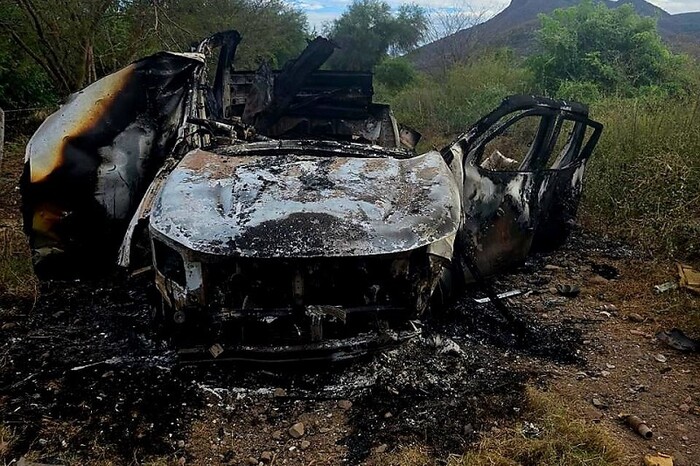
(612, 49)
(23, 83)
(271, 29)
(395, 73)
(58, 36)
(461, 16)
(75, 42)
(368, 31)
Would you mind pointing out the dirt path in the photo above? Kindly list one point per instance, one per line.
(630, 371)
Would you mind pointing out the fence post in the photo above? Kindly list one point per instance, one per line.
(2, 135)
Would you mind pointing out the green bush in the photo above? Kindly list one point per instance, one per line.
(441, 107)
(22, 83)
(395, 74)
(585, 92)
(616, 49)
(643, 182)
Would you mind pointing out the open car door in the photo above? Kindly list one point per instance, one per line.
(522, 170)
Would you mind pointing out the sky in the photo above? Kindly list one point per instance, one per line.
(321, 12)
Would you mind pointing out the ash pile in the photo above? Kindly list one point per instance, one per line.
(86, 356)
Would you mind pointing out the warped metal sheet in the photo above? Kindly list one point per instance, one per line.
(276, 204)
(89, 164)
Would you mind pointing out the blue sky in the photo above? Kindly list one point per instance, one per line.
(321, 12)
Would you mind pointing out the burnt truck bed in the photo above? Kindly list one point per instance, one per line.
(283, 214)
(344, 94)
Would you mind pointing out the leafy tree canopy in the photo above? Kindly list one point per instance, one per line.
(395, 73)
(607, 50)
(59, 46)
(368, 31)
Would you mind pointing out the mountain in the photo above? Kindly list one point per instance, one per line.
(515, 26)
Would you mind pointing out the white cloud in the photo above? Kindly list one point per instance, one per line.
(323, 13)
(310, 6)
(318, 19)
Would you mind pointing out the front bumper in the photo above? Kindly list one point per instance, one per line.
(329, 333)
(290, 310)
(328, 350)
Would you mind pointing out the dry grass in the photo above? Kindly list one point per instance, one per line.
(17, 280)
(562, 441)
(7, 436)
(160, 462)
(406, 456)
(643, 182)
(51, 430)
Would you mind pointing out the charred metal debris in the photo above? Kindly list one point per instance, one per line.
(283, 213)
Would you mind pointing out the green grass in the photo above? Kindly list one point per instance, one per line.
(442, 107)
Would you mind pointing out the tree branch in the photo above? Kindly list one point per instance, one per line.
(48, 51)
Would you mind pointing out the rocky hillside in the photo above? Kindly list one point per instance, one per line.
(514, 27)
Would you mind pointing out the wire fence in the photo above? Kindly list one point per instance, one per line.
(28, 109)
(20, 121)
(24, 114)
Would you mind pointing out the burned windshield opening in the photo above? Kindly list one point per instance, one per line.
(313, 148)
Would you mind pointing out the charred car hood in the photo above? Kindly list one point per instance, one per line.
(296, 205)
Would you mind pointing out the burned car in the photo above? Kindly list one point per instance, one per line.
(284, 214)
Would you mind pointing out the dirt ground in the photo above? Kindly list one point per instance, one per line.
(84, 381)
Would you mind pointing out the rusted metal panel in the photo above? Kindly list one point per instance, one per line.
(320, 203)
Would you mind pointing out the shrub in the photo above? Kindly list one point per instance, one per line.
(586, 92)
(615, 48)
(442, 107)
(643, 182)
(395, 73)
